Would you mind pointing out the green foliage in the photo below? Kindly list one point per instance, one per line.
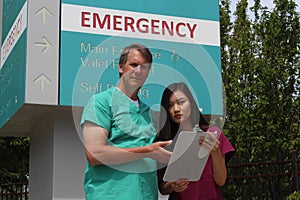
(14, 156)
(294, 196)
(260, 63)
(261, 70)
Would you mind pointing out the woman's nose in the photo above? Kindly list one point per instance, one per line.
(177, 107)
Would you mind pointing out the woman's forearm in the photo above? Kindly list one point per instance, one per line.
(219, 168)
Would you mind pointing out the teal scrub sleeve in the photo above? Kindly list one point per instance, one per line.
(98, 111)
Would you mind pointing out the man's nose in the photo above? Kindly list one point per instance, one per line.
(137, 69)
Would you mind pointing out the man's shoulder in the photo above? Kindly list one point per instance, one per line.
(101, 98)
(104, 94)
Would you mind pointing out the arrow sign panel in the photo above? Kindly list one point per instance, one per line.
(42, 79)
(44, 11)
(42, 52)
(46, 44)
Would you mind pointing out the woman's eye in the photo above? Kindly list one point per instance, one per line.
(181, 102)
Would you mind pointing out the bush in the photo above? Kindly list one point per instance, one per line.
(294, 196)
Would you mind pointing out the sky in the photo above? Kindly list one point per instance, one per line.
(267, 3)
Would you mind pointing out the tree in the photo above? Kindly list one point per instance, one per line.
(261, 78)
(238, 79)
(279, 37)
(260, 66)
(14, 156)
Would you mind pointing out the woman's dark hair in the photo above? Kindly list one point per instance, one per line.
(169, 129)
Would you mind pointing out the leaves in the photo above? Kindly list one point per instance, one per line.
(14, 156)
(260, 65)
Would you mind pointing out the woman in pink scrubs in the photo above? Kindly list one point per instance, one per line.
(182, 114)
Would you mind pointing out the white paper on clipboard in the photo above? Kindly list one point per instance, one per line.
(188, 159)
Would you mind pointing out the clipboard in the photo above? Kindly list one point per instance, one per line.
(188, 159)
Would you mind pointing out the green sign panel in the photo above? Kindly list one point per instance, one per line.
(182, 35)
(13, 58)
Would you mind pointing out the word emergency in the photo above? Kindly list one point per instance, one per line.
(142, 25)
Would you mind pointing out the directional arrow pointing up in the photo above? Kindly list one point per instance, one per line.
(42, 79)
(46, 44)
(44, 11)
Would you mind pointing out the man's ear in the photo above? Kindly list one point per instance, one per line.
(120, 68)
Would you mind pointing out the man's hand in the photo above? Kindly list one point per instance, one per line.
(158, 153)
(98, 152)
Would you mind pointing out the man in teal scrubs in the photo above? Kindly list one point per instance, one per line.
(118, 132)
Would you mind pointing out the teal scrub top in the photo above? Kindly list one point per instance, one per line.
(128, 126)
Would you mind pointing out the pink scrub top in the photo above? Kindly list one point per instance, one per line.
(206, 188)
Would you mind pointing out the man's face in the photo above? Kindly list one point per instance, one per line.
(135, 71)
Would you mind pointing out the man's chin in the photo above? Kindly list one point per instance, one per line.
(136, 84)
(134, 87)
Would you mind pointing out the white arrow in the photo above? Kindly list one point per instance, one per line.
(46, 44)
(42, 78)
(44, 11)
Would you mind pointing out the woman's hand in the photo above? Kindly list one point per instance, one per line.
(210, 142)
(177, 186)
(212, 145)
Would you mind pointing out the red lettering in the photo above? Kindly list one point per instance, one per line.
(153, 26)
(116, 22)
(129, 22)
(165, 27)
(84, 19)
(177, 29)
(140, 24)
(19, 24)
(106, 20)
(191, 29)
(12, 37)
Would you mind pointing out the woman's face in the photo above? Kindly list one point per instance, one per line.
(179, 107)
